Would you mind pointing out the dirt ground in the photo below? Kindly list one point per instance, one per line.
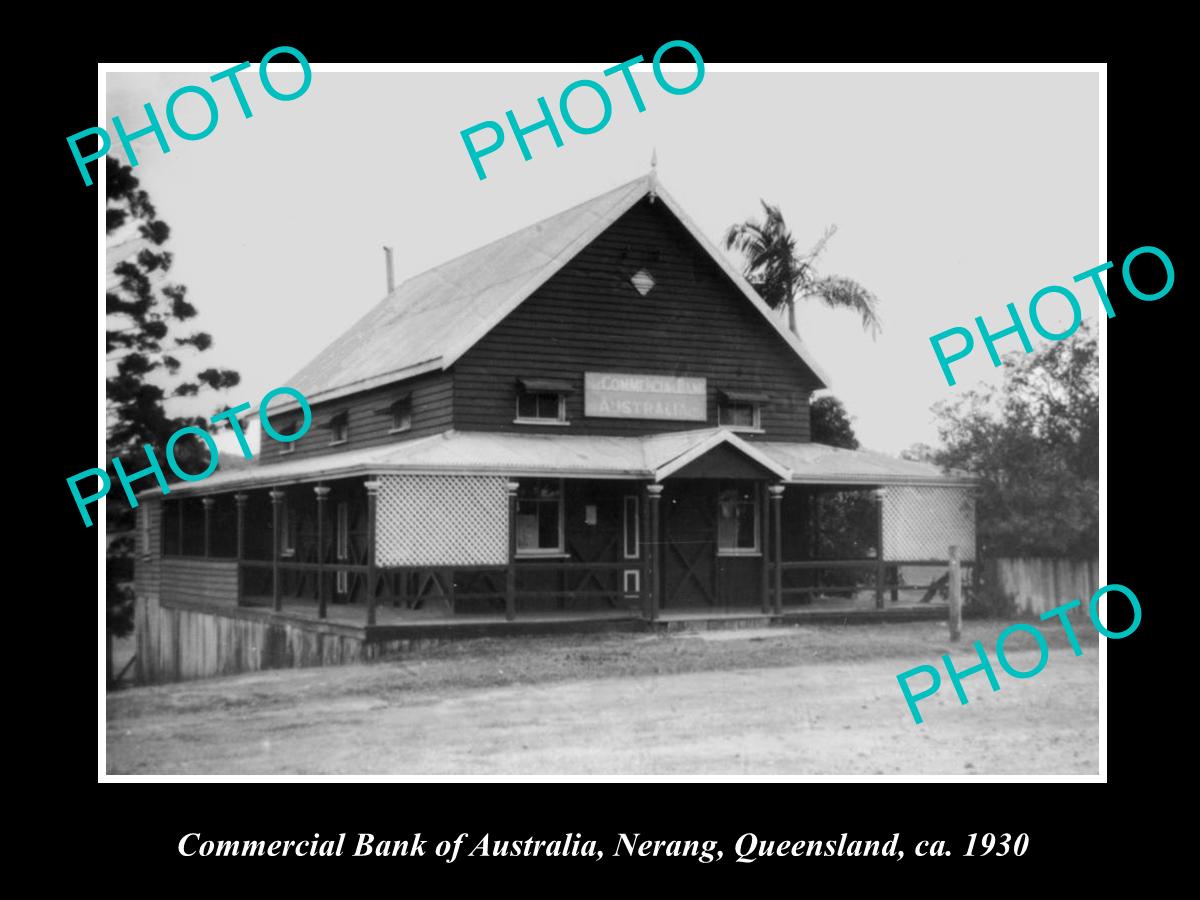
(805, 700)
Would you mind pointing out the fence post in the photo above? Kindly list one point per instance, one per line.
(955, 576)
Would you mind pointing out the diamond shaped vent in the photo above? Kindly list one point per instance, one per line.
(643, 281)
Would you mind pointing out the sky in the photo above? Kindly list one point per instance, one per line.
(953, 194)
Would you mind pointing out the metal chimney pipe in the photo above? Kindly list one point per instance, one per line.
(391, 274)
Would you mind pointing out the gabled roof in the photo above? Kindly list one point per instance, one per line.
(669, 452)
(653, 457)
(432, 319)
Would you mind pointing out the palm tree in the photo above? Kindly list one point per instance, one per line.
(781, 275)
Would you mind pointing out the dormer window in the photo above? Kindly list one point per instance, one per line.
(401, 413)
(741, 410)
(542, 401)
(339, 428)
(289, 426)
(643, 281)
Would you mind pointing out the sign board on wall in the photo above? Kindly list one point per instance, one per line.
(615, 395)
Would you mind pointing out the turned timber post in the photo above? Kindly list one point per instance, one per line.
(276, 513)
(322, 493)
(240, 502)
(372, 507)
(644, 550)
(880, 570)
(208, 502)
(510, 574)
(776, 492)
(654, 493)
(765, 527)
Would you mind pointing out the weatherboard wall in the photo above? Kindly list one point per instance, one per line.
(589, 317)
(370, 420)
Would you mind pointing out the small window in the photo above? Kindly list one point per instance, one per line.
(643, 281)
(539, 517)
(737, 519)
(339, 427)
(738, 414)
(401, 412)
(541, 406)
(290, 426)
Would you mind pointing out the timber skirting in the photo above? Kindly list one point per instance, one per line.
(180, 640)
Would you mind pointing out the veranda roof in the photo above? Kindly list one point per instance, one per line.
(647, 457)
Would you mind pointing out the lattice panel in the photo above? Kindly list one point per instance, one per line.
(442, 520)
(922, 522)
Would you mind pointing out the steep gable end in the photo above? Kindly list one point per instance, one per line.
(432, 319)
(687, 318)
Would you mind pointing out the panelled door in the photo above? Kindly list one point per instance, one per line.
(689, 544)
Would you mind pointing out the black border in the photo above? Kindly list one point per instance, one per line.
(1148, 517)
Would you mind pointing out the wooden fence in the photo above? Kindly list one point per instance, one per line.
(1036, 584)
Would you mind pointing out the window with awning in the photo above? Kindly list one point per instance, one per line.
(339, 428)
(738, 408)
(400, 411)
(542, 400)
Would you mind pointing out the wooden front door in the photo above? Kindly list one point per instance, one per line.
(689, 535)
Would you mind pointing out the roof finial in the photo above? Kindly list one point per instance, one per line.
(653, 173)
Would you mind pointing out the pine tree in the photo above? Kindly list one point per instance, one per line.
(145, 363)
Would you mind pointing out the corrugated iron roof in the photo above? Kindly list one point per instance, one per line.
(823, 464)
(415, 326)
(649, 457)
(431, 319)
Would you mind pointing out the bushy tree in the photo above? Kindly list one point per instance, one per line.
(1035, 442)
(831, 424)
(145, 361)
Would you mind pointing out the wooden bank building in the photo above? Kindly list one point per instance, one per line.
(592, 422)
